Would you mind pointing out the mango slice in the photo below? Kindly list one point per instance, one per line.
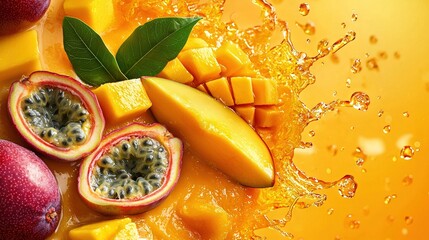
(15, 63)
(121, 101)
(174, 70)
(99, 231)
(201, 63)
(212, 130)
(96, 13)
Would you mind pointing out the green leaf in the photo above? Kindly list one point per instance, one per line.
(151, 46)
(91, 60)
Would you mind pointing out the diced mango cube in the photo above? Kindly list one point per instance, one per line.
(98, 14)
(265, 91)
(122, 100)
(193, 42)
(267, 116)
(19, 55)
(247, 71)
(242, 90)
(220, 89)
(208, 219)
(247, 112)
(174, 70)
(232, 57)
(202, 88)
(99, 231)
(129, 232)
(201, 63)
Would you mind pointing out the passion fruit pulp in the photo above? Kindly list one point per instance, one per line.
(30, 202)
(56, 114)
(132, 170)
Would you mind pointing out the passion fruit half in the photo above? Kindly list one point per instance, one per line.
(132, 170)
(56, 114)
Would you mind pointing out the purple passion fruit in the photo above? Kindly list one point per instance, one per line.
(56, 114)
(132, 170)
(18, 15)
(30, 202)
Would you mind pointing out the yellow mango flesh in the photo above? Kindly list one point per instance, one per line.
(267, 116)
(128, 232)
(246, 112)
(212, 130)
(201, 63)
(220, 89)
(232, 57)
(14, 63)
(124, 100)
(174, 70)
(207, 219)
(242, 89)
(98, 14)
(265, 91)
(193, 42)
(99, 231)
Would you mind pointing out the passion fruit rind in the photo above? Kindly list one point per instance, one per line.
(56, 114)
(133, 170)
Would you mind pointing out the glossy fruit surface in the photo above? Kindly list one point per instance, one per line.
(30, 202)
(56, 114)
(132, 170)
(18, 15)
(212, 130)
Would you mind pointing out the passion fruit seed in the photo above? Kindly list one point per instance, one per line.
(131, 169)
(56, 116)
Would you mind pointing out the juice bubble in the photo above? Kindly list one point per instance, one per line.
(309, 28)
(304, 9)
(407, 180)
(388, 199)
(352, 222)
(409, 220)
(373, 39)
(406, 114)
(354, 17)
(360, 101)
(372, 64)
(407, 152)
(347, 186)
(386, 129)
(356, 66)
(359, 157)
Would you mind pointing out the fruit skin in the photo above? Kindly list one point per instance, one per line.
(19, 89)
(212, 130)
(18, 15)
(30, 212)
(139, 205)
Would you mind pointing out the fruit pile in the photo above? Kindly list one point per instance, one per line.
(130, 170)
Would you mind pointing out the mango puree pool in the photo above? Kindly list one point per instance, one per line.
(392, 199)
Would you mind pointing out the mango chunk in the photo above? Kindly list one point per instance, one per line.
(193, 42)
(99, 231)
(121, 101)
(16, 62)
(212, 131)
(220, 89)
(201, 63)
(175, 70)
(267, 116)
(206, 218)
(242, 89)
(202, 88)
(128, 232)
(232, 57)
(246, 112)
(265, 91)
(98, 14)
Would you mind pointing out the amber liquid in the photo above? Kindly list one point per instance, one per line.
(349, 128)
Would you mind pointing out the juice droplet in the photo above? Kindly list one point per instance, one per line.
(390, 219)
(311, 133)
(380, 113)
(389, 198)
(365, 210)
(351, 222)
(304, 9)
(404, 231)
(304, 145)
(330, 211)
(354, 17)
(407, 180)
(309, 28)
(409, 220)
(323, 48)
(356, 66)
(386, 129)
(360, 101)
(382, 55)
(407, 152)
(347, 186)
(335, 58)
(340, 43)
(373, 39)
(343, 25)
(333, 149)
(359, 157)
(405, 114)
(308, 41)
(372, 64)
(397, 55)
(348, 83)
